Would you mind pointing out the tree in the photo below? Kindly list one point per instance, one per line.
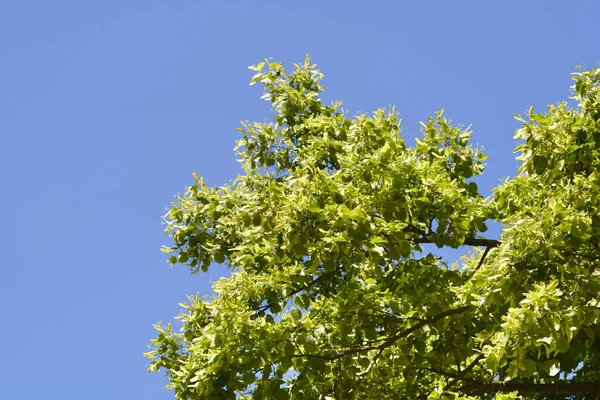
(336, 291)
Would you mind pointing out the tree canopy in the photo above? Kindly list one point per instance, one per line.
(336, 290)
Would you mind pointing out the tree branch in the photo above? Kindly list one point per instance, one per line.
(389, 341)
(392, 339)
(462, 373)
(323, 276)
(490, 243)
(482, 259)
(529, 388)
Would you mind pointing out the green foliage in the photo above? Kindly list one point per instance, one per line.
(334, 293)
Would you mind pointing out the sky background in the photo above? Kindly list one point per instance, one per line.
(107, 107)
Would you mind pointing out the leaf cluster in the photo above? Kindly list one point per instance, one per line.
(336, 291)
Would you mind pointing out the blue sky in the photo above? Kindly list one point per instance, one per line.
(107, 107)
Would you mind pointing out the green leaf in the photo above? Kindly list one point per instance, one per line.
(377, 239)
(552, 367)
(492, 362)
(405, 247)
(472, 187)
(275, 308)
(319, 330)
(302, 301)
(579, 228)
(296, 314)
(512, 370)
(257, 67)
(299, 249)
(364, 362)
(562, 345)
(219, 257)
(547, 340)
(328, 265)
(594, 179)
(528, 367)
(315, 208)
(539, 164)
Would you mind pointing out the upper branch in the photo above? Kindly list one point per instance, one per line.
(489, 243)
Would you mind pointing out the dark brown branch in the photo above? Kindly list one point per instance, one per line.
(414, 229)
(482, 259)
(373, 362)
(529, 388)
(444, 373)
(587, 256)
(389, 341)
(490, 243)
(464, 372)
(307, 286)
(421, 324)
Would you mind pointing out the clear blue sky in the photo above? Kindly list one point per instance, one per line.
(107, 107)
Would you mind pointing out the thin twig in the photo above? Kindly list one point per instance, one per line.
(482, 259)
(464, 372)
(307, 286)
(390, 340)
